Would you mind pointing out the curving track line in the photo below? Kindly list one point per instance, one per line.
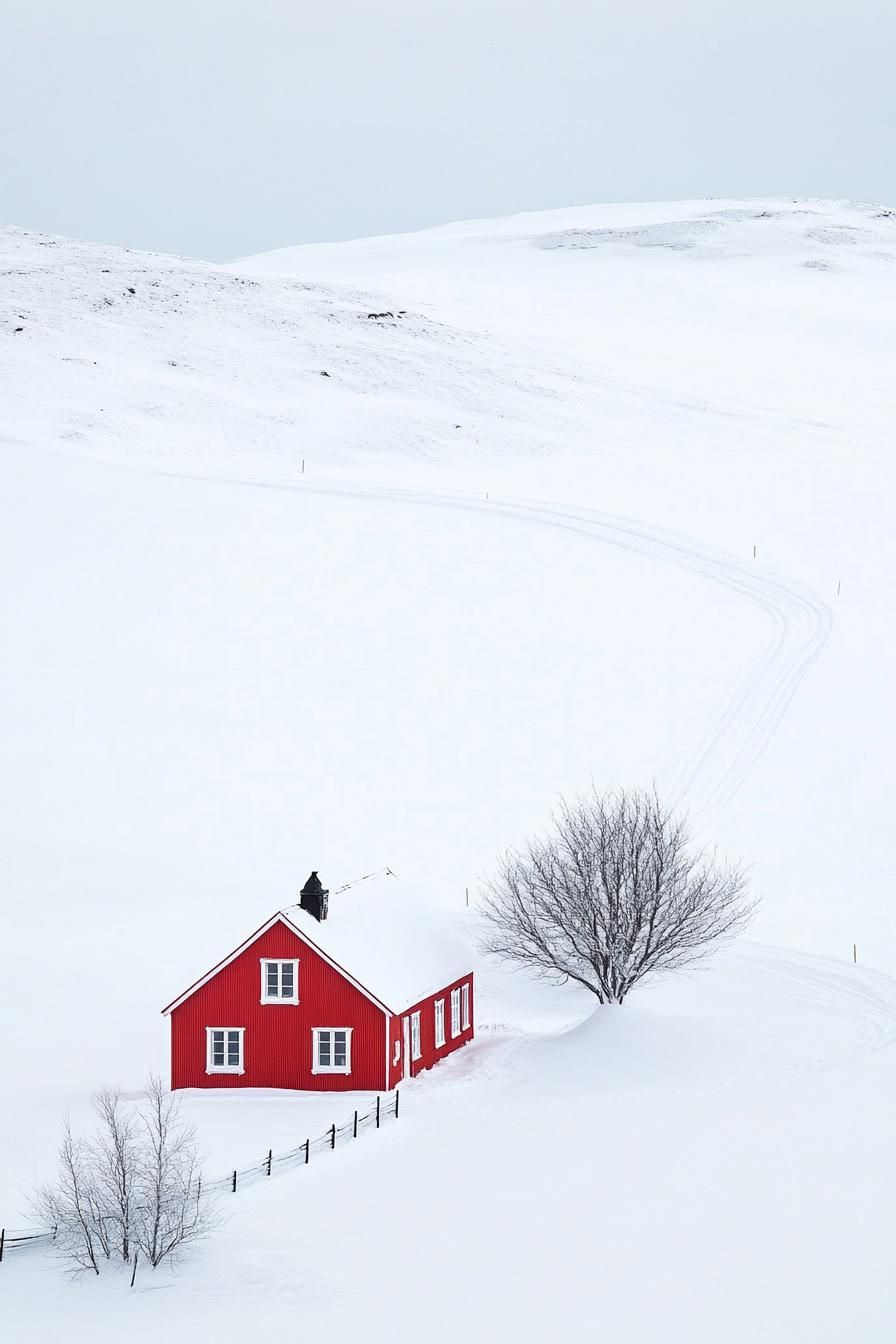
(798, 626)
(798, 622)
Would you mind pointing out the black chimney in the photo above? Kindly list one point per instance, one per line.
(314, 898)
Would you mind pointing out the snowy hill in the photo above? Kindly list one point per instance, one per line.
(533, 333)
(191, 361)
(520, 557)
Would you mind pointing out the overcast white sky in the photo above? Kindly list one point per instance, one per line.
(226, 128)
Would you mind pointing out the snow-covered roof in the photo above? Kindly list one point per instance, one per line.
(388, 939)
(383, 937)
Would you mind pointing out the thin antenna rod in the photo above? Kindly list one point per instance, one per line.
(380, 872)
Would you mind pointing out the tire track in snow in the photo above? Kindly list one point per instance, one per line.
(830, 991)
(799, 623)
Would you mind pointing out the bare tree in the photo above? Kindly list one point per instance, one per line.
(614, 893)
(171, 1211)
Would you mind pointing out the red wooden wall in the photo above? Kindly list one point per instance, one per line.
(429, 1054)
(278, 1039)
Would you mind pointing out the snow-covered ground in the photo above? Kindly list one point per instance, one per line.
(520, 557)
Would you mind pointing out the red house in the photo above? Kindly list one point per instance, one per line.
(350, 996)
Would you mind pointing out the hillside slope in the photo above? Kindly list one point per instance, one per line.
(601, 330)
(608, 497)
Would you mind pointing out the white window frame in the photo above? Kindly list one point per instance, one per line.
(280, 962)
(465, 1006)
(416, 1052)
(455, 1012)
(440, 1023)
(210, 1066)
(396, 1054)
(316, 1067)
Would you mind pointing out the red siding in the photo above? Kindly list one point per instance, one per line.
(278, 1037)
(429, 1054)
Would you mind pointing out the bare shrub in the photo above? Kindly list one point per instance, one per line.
(132, 1186)
(69, 1205)
(170, 1209)
(115, 1164)
(614, 893)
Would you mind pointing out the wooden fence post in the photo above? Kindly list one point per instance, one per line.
(270, 1156)
(377, 1111)
(307, 1151)
(396, 1103)
(2, 1239)
(134, 1271)
(233, 1191)
(355, 1133)
(332, 1136)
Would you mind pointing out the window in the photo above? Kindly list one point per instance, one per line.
(396, 1054)
(224, 1049)
(332, 1050)
(455, 1012)
(440, 1023)
(465, 1006)
(415, 1036)
(279, 982)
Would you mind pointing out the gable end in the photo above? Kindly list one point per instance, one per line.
(278, 918)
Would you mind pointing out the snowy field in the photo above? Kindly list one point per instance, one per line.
(257, 620)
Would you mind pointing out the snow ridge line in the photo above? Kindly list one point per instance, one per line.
(829, 1015)
(799, 621)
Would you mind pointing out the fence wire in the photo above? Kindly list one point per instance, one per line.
(23, 1238)
(349, 1130)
